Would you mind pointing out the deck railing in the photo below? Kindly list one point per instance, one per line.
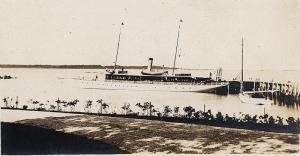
(167, 83)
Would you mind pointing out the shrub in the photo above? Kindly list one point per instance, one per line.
(247, 118)
(142, 107)
(254, 119)
(176, 111)
(207, 115)
(291, 121)
(264, 118)
(25, 107)
(189, 111)
(235, 119)
(167, 111)
(41, 109)
(279, 120)
(298, 122)
(228, 119)
(197, 114)
(159, 114)
(271, 120)
(5, 100)
(219, 117)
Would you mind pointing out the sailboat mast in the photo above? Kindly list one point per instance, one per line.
(242, 72)
(116, 59)
(176, 48)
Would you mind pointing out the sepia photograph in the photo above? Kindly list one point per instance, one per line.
(149, 77)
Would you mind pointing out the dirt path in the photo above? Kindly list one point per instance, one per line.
(144, 136)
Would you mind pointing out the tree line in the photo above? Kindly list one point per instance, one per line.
(148, 109)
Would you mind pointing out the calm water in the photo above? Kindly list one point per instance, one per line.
(49, 84)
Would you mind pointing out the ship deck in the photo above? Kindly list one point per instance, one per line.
(159, 78)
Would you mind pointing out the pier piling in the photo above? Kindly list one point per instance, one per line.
(285, 92)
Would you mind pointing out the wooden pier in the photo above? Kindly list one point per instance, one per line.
(287, 92)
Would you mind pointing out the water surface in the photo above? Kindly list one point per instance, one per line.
(46, 85)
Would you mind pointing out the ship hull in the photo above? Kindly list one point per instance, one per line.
(155, 86)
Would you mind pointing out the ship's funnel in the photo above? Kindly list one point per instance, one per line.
(219, 74)
(150, 62)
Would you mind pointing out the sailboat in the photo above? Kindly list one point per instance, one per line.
(252, 97)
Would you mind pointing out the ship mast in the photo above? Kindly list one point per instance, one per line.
(116, 59)
(242, 72)
(176, 47)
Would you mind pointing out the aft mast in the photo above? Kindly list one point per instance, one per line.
(116, 59)
(242, 72)
(176, 46)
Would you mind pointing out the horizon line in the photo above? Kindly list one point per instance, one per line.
(85, 65)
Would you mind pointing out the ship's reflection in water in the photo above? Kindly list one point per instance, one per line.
(288, 104)
(46, 85)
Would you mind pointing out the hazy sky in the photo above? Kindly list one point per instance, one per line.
(86, 32)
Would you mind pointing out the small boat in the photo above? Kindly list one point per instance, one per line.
(252, 97)
(154, 73)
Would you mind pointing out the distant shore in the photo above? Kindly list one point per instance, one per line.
(109, 67)
(76, 66)
(86, 67)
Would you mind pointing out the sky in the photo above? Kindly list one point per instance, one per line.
(86, 32)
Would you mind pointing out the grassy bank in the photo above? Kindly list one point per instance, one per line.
(150, 136)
